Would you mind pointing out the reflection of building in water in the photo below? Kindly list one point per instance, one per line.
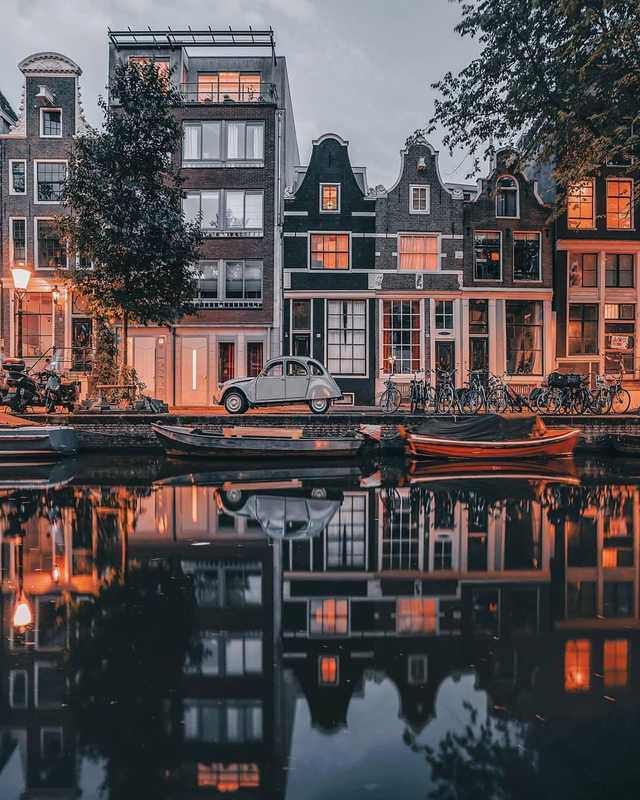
(420, 582)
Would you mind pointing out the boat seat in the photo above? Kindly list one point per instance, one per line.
(261, 432)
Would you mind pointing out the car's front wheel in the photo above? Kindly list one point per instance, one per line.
(320, 405)
(235, 403)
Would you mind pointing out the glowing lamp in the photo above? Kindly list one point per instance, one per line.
(22, 614)
(55, 574)
(55, 295)
(21, 277)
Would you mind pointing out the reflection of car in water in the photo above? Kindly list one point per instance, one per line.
(284, 515)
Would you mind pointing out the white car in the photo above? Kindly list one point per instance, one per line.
(288, 379)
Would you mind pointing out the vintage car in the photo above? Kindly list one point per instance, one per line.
(287, 379)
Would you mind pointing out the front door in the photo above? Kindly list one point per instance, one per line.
(445, 357)
(270, 384)
(144, 362)
(296, 380)
(193, 372)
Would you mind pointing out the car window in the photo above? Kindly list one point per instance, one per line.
(316, 369)
(296, 369)
(274, 370)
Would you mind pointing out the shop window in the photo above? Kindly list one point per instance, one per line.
(583, 270)
(616, 663)
(577, 665)
(416, 615)
(228, 778)
(582, 333)
(526, 256)
(401, 336)
(581, 206)
(37, 323)
(524, 337)
(487, 252)
(330, 616)
(347, 337)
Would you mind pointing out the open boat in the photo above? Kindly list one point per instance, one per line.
(253, 442)
(489, 436)
(37, 441)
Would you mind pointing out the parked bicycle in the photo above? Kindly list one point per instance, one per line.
(503, 397)
(390, 398)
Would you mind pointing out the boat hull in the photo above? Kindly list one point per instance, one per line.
(180, 442)
(559, 443)
(46, 441)
(628, 445)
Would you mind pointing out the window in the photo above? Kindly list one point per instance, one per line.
(418, 252)
(222, 721)
(402, 534)
(51, 743)
(50, 178)
(581, 599)
(618, 599)
(616, 662)
(329, 616)
(417, 670)
(347, 337)
(416, 615)
(301, 327)
(507, 199)
(81, 334)
(330, 197)
(37, 323)
(217, 87)
(524, 337)
(201, 141)
(619, 337)
(50, 252)
(330, 251)
(478, 335)
(442, 553)
(161, 64)
(274, 370)
(577, 665)
(345, 538)
(228, 777)
(225, 210)
(582, 334)
(17, 177)
(619, 203)
(18, 688)
(419, 199)
(50, 123)
(487, 249)
(444, 314)
(207, 282)
(328, 670)
(243, 655)
(18, 228)
(255, 358)
(226, 361)
(244, 141)
(296, 370)
(619, 270)
(243, 280)
(583, 270)
(580, 206)
(401, 336)
(526, 256)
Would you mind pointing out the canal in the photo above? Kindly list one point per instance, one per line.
(174, 630)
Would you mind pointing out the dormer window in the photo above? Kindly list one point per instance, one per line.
(507, 198)
(419, 199)
(330, 198)
(50, 123)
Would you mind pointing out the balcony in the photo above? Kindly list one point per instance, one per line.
(219, 93)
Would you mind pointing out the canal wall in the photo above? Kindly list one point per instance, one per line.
(112, 432)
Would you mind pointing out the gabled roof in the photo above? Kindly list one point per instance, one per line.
(7, 111)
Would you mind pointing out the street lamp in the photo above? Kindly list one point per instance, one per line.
(22, 614)
(21, 276)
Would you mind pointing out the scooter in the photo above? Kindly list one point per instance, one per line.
(22, 390)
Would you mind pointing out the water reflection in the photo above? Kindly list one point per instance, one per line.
(425, 631)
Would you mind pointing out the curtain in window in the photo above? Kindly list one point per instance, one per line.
(235, 140)
(255, 141)
(210, 209)
(253, 210)
(235, 209)
(211, 141)
(419, 252)
(191, 143)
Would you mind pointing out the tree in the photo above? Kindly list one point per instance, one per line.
(561, 76)
(124, 196)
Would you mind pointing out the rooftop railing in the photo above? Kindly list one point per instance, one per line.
(228, 92)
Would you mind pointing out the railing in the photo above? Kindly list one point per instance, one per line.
(228, 92)
(205, 303)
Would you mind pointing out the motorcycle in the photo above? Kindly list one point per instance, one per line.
(45, 388)
(22, 389)
(59, 393)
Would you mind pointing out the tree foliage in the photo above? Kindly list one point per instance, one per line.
(124, 195)
(560, 78)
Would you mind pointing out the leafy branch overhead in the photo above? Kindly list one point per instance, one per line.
(558, 78)
(124, 195)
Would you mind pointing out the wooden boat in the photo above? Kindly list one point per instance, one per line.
(562, 471)
(41, 441)
(251, 442)
(489, 437)
(626, 445)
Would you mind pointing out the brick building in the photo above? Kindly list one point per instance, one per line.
(238, 150)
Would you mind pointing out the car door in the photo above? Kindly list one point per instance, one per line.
(270, 383)
(296, 380)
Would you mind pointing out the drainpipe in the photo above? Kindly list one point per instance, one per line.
(172, 329)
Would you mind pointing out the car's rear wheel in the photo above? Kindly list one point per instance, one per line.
(320, 405)
(235, 403)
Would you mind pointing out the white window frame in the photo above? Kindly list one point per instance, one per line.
(425, 186)
(13, 161)
(513, 250)
(329, 233)
(330, 210)
(473, 244)
(609, 179)
(36, 693)
(515, 180)
(49, 135)
(222, 300)
(223, 160)
(12, 676)
(36, 258)
(364, 300)
(222, 210)
(35, 179)
(436, 327)
(26, 239)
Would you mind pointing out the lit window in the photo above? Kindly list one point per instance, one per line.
(616, 662)
(487, 251)
(619, 203)
(577, 665)
(50, 123)
(526, 256)
(418, 252)
(419, 199)
(329, 616)
(507, 198)
(50, 178)
(328, 670)
(218, 87)
(330, 197)
(582, 334)
(580, 206)
(583, 270)
(416, 615)
(228, 777)
(330, 251)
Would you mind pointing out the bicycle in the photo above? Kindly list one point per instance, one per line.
(502, 397)
(619, 397)
(390, 398)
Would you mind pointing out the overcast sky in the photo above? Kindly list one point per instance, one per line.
(360, 68)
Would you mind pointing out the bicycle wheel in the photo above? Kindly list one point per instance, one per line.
(390, 400)
(429, 400)
(554, 401)
(621, 401)
(445, 399)
(599, 402)
(472, 401)
(581, 401)
(497, 401)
